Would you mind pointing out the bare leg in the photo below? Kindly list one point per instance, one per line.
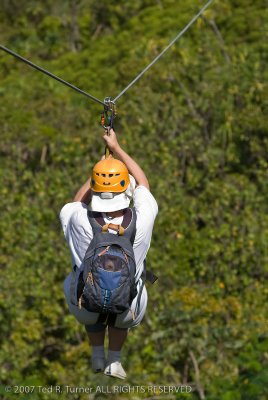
(117, 338)
(96, 338)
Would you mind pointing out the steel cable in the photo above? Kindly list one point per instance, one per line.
(163, 52)
(50, 74)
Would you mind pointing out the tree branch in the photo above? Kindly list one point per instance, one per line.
(218, 34)
(197, 376)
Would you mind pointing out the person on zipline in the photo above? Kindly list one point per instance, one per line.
(79, 233)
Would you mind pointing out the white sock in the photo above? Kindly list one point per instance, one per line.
(114, 355)
(98, 352)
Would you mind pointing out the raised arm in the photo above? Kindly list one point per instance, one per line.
(84, 193)
(134, 169)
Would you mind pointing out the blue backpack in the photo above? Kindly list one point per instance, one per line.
(107, 282)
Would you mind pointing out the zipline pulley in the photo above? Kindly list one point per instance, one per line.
(107, 119)
(109, 113)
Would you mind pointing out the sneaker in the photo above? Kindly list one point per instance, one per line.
(115, 369)
(98, 364)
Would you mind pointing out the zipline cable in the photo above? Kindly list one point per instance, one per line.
(105, 104)
(163, 52)
(50, 74)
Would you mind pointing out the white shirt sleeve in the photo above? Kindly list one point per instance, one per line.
(147, 209)
(77, 230)
(66, 213)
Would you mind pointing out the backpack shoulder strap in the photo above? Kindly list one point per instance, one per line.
(148, 275)
(127, 218)
(96, 221)
(129, 224)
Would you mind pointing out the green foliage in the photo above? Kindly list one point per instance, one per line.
(196, 124)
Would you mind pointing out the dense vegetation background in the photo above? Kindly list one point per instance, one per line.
(196, 124)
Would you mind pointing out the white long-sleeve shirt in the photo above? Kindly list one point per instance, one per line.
(78, 232)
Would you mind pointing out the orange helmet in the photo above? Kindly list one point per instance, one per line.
(110, 175)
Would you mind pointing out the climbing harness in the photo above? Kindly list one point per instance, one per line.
(109, 110)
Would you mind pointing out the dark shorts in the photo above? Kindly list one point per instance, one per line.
(99, 327)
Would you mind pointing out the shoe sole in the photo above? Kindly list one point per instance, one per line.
(114, 375)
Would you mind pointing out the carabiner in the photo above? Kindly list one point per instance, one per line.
(107, 119)
(109, 113)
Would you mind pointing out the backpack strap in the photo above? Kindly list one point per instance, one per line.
(99, 219)
(130, 219)
(97, 223)
(127, 218)
(148, 275)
